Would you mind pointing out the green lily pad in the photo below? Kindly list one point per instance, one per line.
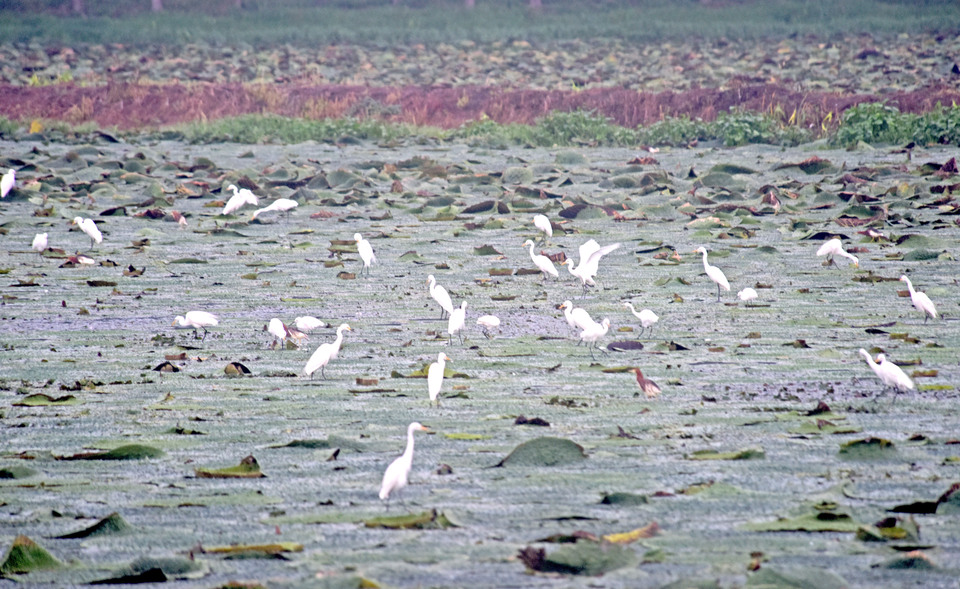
(584, 557)
(112, 525)
(545, 451)
(127, 452)
(745, 454)
(805, 578)
(818, 521)
(427, 520)
(16, 472)
(25, 555)
(870, 448)
(247, 469)
(42, 400)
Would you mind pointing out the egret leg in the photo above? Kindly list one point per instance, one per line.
(204, 334)
(718, 293)
(322, 375)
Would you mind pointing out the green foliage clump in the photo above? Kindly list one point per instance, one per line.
(875, 122)
(8, 128)
(278, 129)
(579, 128)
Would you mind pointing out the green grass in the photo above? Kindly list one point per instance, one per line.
(873, 123)
(297, 21)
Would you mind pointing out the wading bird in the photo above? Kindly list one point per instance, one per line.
(456, 322)
(592, 333)
(889, 373)
(40, 243)
(440, 295)
(488, 322)
(366, 252)
(576, 317)
(542, 223)
(281, 205)
(542, 262)
(308, 323)
(196, 320)
(649, 388)
(715, 274)
(7, 182)
(395, 477)
(239, 199)
(834, 247)
(647, 317)
(590, 254)
(435, 377)
(747, 294)
(325, 353)
(919, 299)
(90, 228)
(281, 331)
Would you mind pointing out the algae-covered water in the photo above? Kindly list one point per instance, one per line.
(741, 379)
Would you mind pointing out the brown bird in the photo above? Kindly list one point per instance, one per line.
(649, 388)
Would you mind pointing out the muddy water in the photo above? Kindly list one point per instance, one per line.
(734, 375)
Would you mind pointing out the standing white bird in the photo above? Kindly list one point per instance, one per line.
(395, 477)
(240, 198)
(90, 228)
(488, 322)
(325, 353)
(576, 317)
(196, 320)
(440, 295)
(542, 223)
(40, 243)
(647, 317)
(590, 254)
(592, 333)
(542, 262)
(747, 294)
(281, 205)
(919, 299)
(366, 252)
(834, 247)
(281, 331)
(435, 377)
(456, 322)
(308, 323)
(715, 274)
(7, 182)
(889, 373)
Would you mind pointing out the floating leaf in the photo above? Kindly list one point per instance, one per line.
(112, 525)
(819, 521)
(648, 531)
(867, 449)
(247, 469)
(43, 400)
(585, 557)
(800, 578)
(25, 556)
(276, 548)
(746, 454)
(545, 451)
(428, 520)
(624, 499)
(127, 452)
(16, 472)
(486, 250)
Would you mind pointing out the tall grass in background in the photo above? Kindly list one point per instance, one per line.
(263, 22)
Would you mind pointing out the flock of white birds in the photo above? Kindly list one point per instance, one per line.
(590, 331)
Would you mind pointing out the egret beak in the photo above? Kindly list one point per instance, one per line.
(174, 322)
(447, 358)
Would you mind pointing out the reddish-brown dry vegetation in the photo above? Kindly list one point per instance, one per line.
(137, 105)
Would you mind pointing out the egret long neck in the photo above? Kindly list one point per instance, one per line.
(705, 264)
(408, 451)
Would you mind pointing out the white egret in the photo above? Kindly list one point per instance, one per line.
(649, 388)
(366, 252)
(456, 322)
(889, 373)
(715, 274)
(196, 320)
(240, 198)
(576, 317)
(542, 223)
(90, 228)
(919, 299)
(647, 317)
(435, 377)
(592, 333)
(542, 262)
(488, 322)
(281, 331)
(39, 243)
(281, 205)
(7, 182)
(308, 323)
(395, 477)
(440, 295)
(325, 353)
(590, 254)
(747, 294)
(834, 247)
